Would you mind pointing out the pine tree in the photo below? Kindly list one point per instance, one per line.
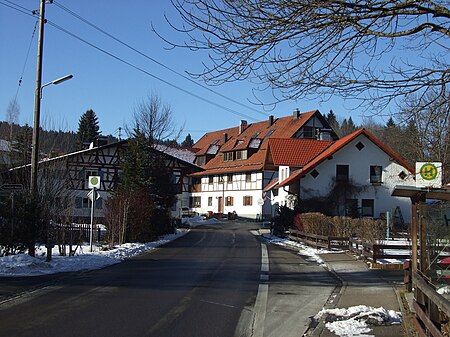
(21, 148)
(188, 141)
(88, 129)
(390, 123)
(333, 122)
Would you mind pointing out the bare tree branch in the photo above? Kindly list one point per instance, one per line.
(373, 50)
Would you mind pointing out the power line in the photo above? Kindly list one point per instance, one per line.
(154, 60)
(28, 12)
(148, 73)
(16, 7)
(26, 60)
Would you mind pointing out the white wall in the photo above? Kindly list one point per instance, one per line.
(238, 188)
(359, 171)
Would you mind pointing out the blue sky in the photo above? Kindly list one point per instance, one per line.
(110, 87)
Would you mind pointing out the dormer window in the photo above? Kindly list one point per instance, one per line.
(241, 155)
(228, 156)
(269, 133)
(200, 160)
(255, 143)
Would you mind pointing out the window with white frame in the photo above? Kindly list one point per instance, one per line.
(241, 155)
(196, 202)
(248, 177)
(376, 174)
(210, 201)
(228, 156)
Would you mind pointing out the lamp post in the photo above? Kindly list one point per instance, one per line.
(35, 141)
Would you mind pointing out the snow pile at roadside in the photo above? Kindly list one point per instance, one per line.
(312, 254)
(356, 321)
(198, 220)
(25, 265)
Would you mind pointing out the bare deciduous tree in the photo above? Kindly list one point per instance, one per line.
(12, 115)
(154, 120)
(373, 50)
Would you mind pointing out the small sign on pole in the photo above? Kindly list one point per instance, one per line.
(429, 174)
(94, 182)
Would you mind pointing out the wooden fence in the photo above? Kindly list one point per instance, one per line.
(375, 251)
(75, 233)
(370, 251)
(319, 241)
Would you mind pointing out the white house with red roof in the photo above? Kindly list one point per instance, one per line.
(234, 163)
(352, 176)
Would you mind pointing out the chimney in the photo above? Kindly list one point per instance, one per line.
(296, 113)
(270, 120)
(242, 126)
(225, 137)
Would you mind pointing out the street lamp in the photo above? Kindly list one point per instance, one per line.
(57, 81)
(35, 141)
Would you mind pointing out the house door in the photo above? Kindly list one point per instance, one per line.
(220, 206)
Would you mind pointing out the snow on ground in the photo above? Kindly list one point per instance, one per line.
(351, 322)
(355, 321)
(25, 265)
(312, 254)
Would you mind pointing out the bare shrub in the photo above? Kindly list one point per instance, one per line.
(370, 230)
(316, 223)
(343, 226)
(367, 229)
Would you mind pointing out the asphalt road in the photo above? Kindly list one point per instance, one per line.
(218, 280)
(194, 286)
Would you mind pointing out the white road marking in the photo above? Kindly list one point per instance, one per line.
(260, 310)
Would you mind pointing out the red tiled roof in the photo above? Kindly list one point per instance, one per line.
(336, 146)
(296, 152)
(284, 127)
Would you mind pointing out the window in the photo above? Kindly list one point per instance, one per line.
(200, 160)
(342, 173)
(367, 207)
(229, 201)
(81, 202)
(248, 200)
(351, 207)
(375, 174)
(228, 156)
(91, 172)
(308, 132)
(210, 179)
(248, 177)
(360, 146)
(195, 202)
(241, 155)
(229, 178)
(314, 174)
(269, 133)
(209, 201)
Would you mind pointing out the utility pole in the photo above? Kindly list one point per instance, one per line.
(37, 103)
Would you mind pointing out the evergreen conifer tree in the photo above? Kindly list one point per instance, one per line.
(188, 141)
(88, 129)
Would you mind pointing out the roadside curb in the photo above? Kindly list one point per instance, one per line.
(317, 327)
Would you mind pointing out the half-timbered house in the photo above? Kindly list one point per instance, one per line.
(71, 172)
